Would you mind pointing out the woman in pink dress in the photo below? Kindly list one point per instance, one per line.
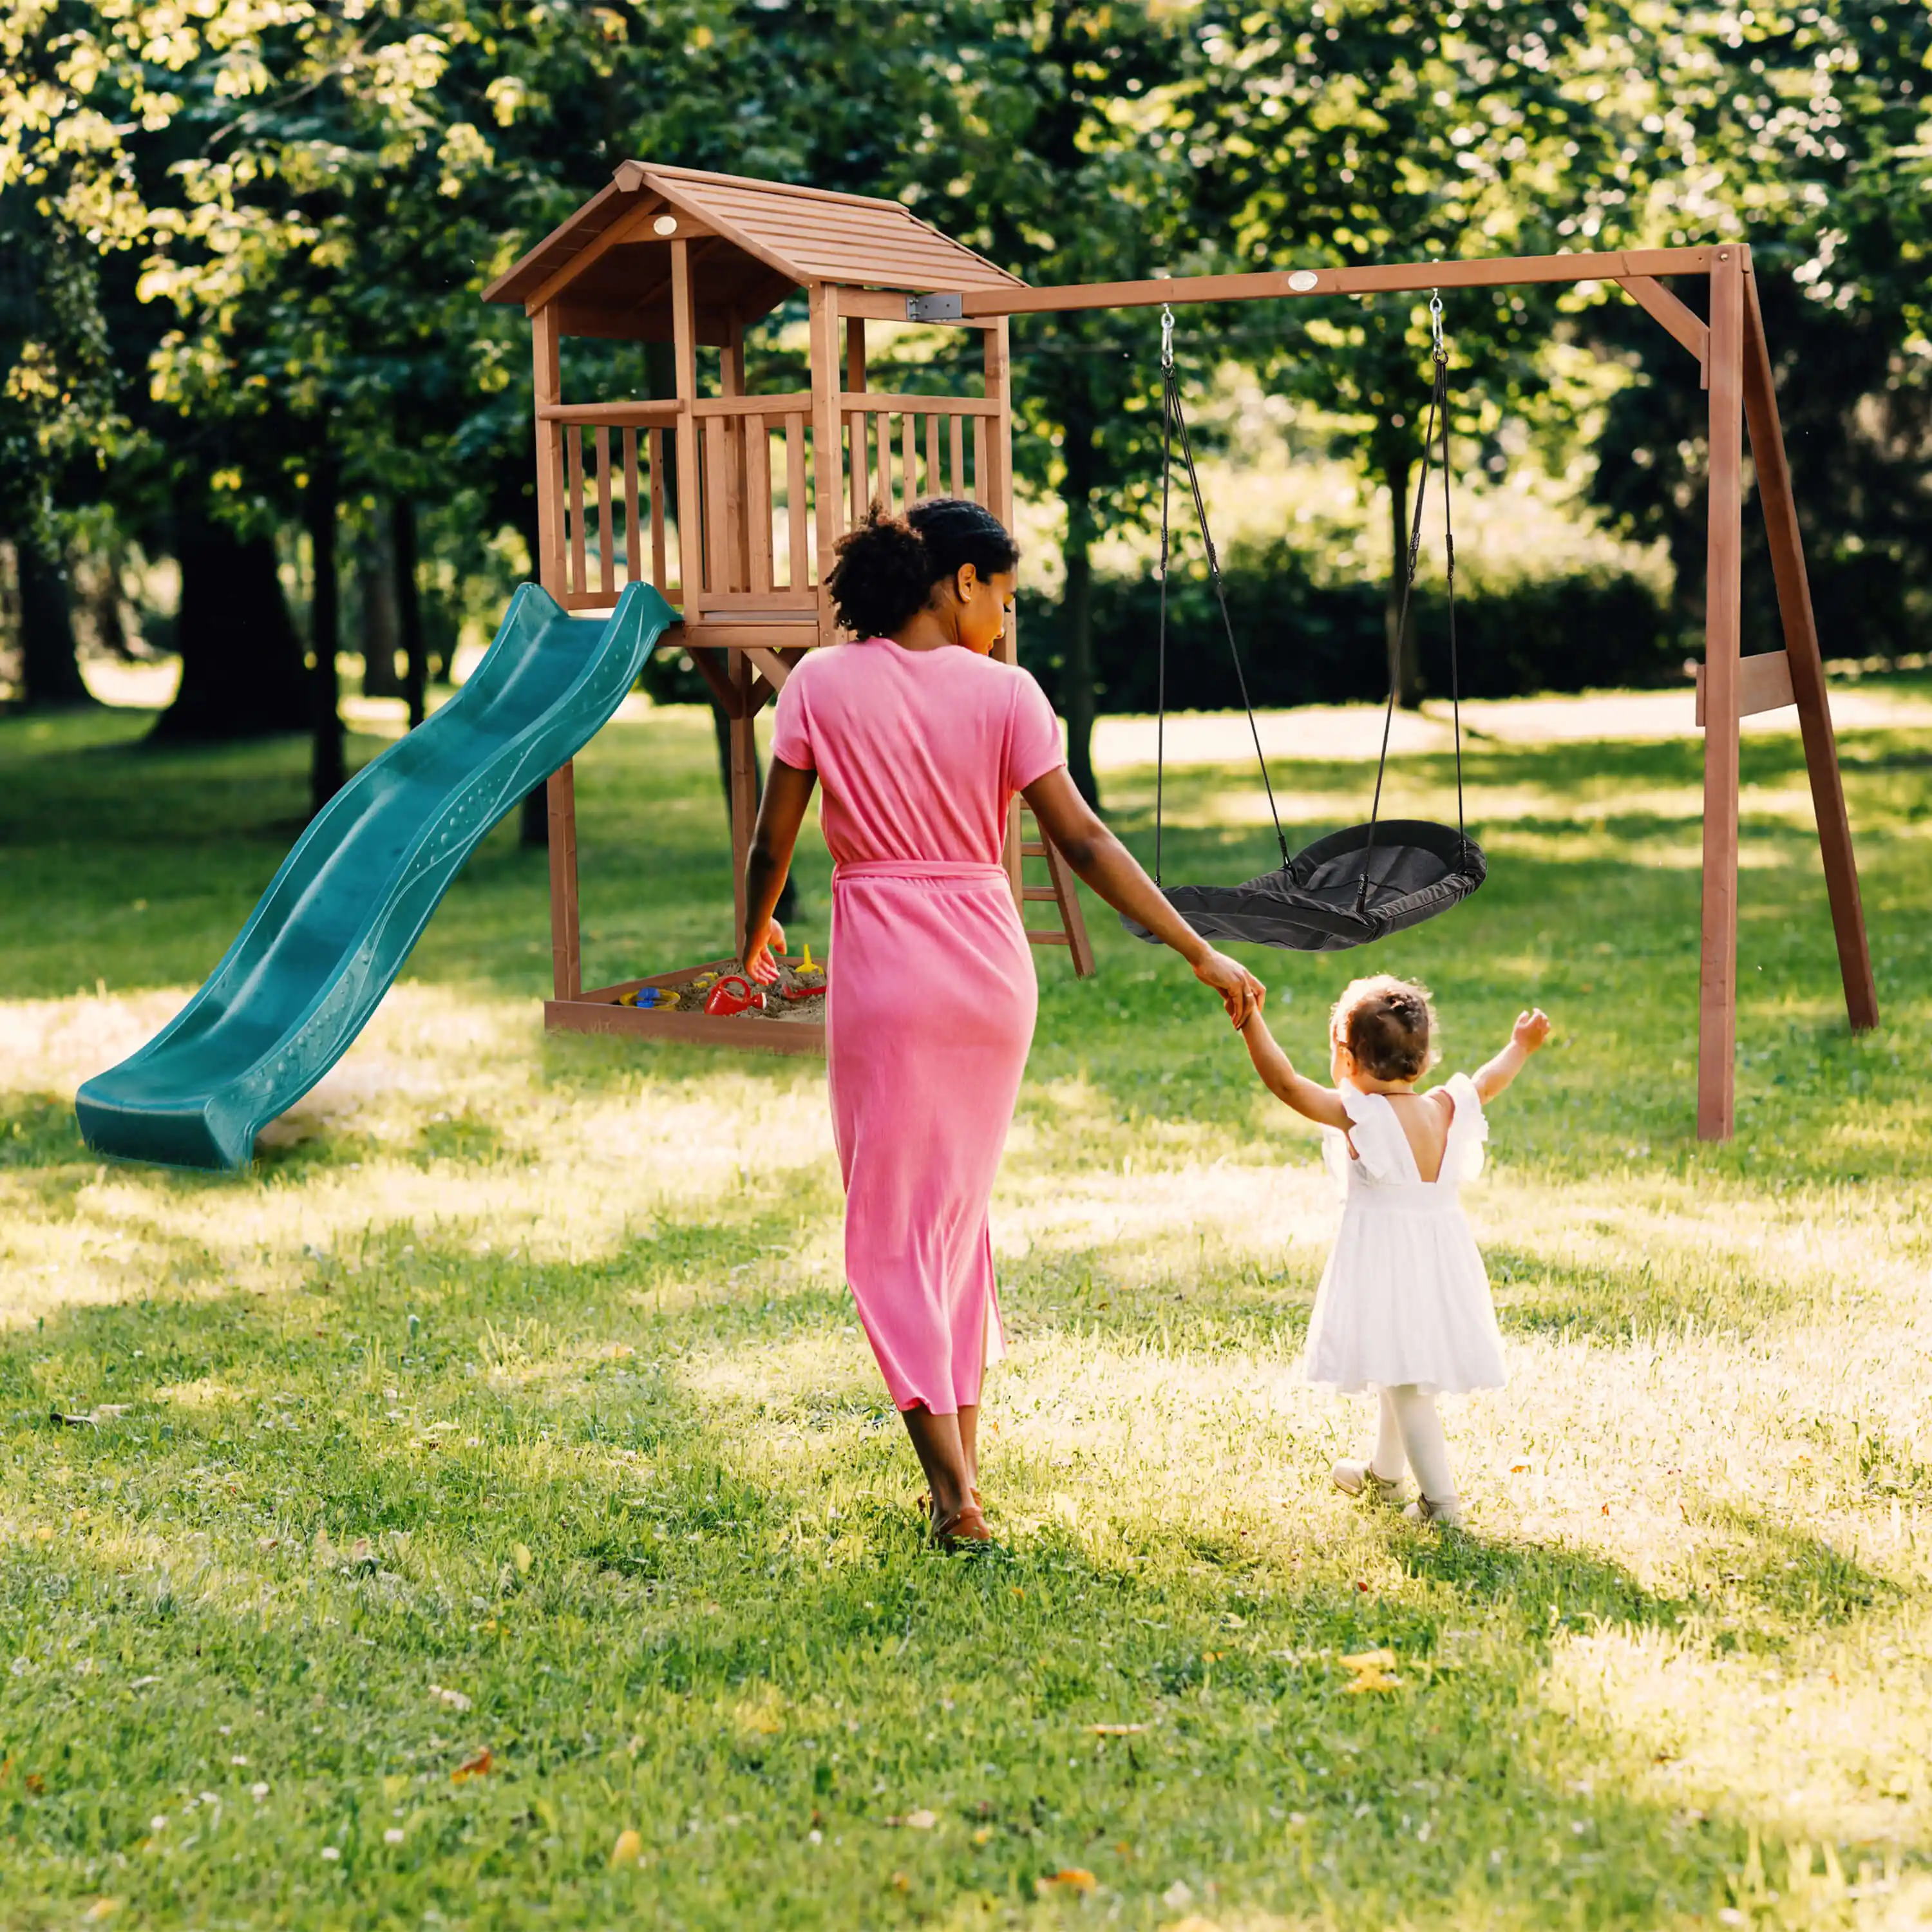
(921, 739)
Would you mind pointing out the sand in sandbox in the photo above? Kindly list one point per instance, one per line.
(777, 1009)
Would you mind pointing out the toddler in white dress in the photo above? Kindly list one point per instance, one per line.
(1404, 1304)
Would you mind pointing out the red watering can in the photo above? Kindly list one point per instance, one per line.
(733, 994)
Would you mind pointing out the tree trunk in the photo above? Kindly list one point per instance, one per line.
(381, 624)
(1076, 687)
(1404, 665)
(326, 767)
(409, 606)
(241, 655)
(50, 676)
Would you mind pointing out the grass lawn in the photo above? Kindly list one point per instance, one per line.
(492, 1515)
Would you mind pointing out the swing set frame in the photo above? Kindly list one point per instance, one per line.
(1734, 366)
(731, 502)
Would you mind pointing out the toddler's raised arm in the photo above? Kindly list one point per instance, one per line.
(1531, 1031)
(1322, 1105)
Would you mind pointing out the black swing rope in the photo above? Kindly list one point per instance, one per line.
(1327, 896)
(1175, 420)
(1438, 413)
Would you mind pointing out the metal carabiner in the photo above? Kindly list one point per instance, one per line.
(1435, 324)
(1166, 337)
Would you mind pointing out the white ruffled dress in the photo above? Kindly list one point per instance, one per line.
(1405, 1298)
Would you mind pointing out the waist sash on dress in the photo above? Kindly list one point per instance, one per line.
(939, 871)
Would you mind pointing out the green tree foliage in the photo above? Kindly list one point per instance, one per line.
(1805, 132)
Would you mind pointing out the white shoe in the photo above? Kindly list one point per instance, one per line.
(1448, 1511)
(1354, 1479)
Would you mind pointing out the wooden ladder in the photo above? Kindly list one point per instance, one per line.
(1069, 928)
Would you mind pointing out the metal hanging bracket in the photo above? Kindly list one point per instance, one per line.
(1166, 337)
(936, 308)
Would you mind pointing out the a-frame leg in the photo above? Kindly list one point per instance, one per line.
(1717, 955)
(1808, 669)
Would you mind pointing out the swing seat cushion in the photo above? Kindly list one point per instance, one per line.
(1416, 869)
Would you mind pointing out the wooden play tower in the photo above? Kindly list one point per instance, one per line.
(730, 503)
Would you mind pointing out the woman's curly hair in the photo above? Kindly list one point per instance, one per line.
(887, 566)
(1388, 1026)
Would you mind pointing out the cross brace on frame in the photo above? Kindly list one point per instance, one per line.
(1736, 367)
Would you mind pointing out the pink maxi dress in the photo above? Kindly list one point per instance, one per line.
(932, 995)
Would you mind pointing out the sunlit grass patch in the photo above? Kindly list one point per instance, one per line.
(513, 1405)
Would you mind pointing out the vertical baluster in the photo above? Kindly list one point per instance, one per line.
(858, 429)
(909, 467)
(606, 549)
(758, 510)
(935, 480)
(718, 524)
(633, 536)
(659, 474)
(957, 426)
(573, 504)
(799, 563)
(979, 478)
(883, 494)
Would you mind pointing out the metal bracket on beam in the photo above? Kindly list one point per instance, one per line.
(936, 308)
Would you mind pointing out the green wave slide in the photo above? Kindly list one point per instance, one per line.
(339, 918)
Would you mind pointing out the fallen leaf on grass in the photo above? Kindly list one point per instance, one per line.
(921, 1820)
(1075, 1878)
(478, 1766)
(519, 1555)
(101, 1908)
(1372, 1669)
(628, 1849)
(899, 1882)
(1116, 1730)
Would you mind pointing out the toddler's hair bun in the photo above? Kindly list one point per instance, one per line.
(1388, 1025)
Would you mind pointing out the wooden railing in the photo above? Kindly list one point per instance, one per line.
(884, 465)
(757, 486)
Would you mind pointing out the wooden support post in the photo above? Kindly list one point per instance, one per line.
(738, 488)
(690, 497)
(744, 785)
(1806, 665)
(828, 481)
(995, 492)
(560, 793)
(565, 952)
(1718, 961)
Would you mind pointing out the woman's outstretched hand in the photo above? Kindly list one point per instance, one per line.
(1241, 993)
(758, 962)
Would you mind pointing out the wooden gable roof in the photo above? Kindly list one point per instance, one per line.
(754, 243)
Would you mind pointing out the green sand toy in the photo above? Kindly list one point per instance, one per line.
(339, 918)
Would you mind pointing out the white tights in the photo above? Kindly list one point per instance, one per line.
(1410, 1432)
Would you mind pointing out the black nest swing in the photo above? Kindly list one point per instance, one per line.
(1367, 881)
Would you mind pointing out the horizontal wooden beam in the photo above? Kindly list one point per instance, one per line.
(1504, 272)
(641, 411)
(1764, 684)
(780, 402)
(889, 305)
(889, 403)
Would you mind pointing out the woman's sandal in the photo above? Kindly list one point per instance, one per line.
(964, 1527)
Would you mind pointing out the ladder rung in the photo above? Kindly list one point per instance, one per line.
(1040, 937)
(1039, 892)
(1028, 850)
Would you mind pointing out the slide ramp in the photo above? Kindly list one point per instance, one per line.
(338, 919)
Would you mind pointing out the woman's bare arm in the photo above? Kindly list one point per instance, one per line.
(1112, 871)
(1322, 1105)
(781, 812)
